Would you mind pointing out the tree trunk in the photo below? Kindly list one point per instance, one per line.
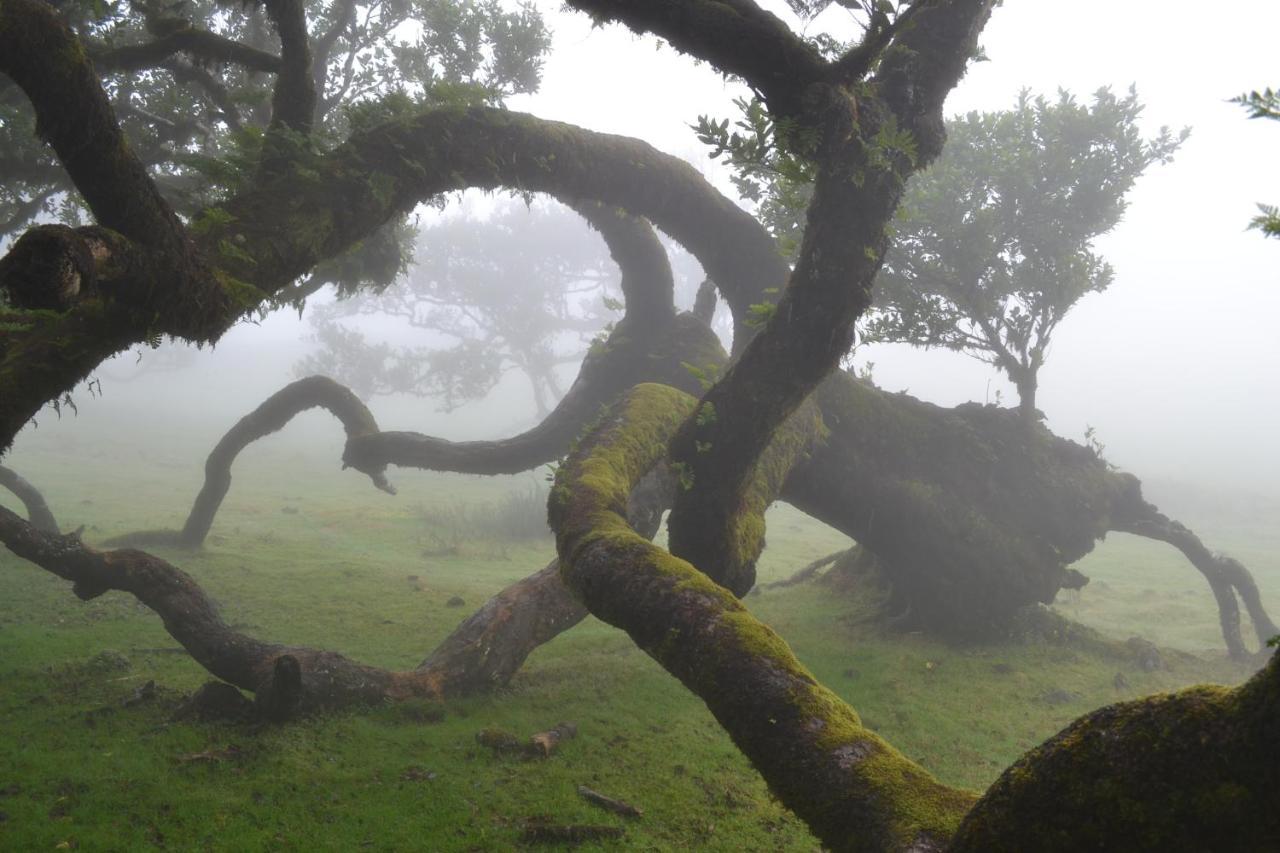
(1027, 383)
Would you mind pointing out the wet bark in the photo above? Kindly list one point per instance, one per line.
(288, 223)
(854, 790)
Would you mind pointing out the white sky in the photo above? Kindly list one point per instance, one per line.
(1176, 365)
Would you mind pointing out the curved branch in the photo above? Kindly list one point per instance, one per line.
(483, 652)
(736, 36)
(609, 370)
(1194, 770)
(648, 286)
(37, 510)
(290, 223)
(271, 416)
(856, 191)
(274, 413)
(491, 645)
(268, 238)
(1226, 576)
(328, 680)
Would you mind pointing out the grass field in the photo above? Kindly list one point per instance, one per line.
(303, 553)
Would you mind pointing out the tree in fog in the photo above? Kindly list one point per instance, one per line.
(524, 290)
(993, 243)
(972, 514)
(527, 290)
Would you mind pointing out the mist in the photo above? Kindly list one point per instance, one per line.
(568, 417)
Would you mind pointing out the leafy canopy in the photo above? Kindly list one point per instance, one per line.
(196, 116)
(993, 244)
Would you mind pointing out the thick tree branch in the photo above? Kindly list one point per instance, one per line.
(266, 239)
(854, 790)
(1194, 770)
(293, 103)
(198, 44)
(1226, 576)
(859, 183)
(75, 118)
(736, 36)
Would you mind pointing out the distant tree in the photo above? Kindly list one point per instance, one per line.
(1264, 104)
(524, 290)
(993, 244)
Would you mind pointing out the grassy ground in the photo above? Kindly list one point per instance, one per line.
(306, 554)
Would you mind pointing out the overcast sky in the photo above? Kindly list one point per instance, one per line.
(1176, 365)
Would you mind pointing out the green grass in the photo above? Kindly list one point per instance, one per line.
(353, 570)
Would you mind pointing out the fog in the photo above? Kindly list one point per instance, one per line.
(1173, 366)
(967, 582)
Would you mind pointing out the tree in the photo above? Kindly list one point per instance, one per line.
(1263, 104)
(864, 119)
(185, 82)
(525, 289)
(993, 243)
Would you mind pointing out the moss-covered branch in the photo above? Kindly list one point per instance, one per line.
(736, 36)
(264, 240)
(854, 790)
(866, 141)
(1195, 770)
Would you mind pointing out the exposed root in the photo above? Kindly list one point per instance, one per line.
(1226, 577)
